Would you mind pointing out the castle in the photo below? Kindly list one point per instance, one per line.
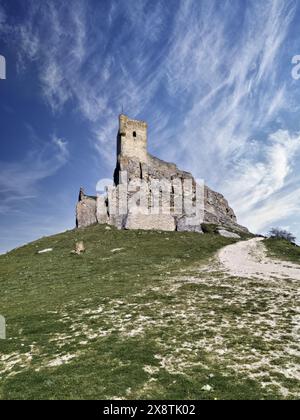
(152, 194)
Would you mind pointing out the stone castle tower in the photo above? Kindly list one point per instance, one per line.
(139, 171)
(132, 139)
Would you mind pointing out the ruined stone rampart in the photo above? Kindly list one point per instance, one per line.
(149, 193)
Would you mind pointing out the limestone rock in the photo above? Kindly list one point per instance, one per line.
(79, 248)
(227, 234)
(44, 251)
(116, 250)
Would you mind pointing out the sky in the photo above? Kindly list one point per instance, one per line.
(213, 79)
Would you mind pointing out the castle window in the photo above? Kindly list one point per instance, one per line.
(134, 134)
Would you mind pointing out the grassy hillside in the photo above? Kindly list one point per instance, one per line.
(137, 317)
(284, 250)
(87, 310)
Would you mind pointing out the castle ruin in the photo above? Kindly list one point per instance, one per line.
(152, 194)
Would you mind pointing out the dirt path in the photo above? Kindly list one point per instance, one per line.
(249, 259)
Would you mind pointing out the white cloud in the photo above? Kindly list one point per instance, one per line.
(272, 211)
(3, 16)
(234, 88)
(63, 149)
(262, 189)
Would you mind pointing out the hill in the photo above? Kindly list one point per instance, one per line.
(141, 315)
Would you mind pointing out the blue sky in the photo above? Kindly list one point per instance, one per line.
(211, 78)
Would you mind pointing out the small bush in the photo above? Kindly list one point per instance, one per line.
(277, 233)
(209, 228)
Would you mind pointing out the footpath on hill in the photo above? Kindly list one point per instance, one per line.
(249, 259)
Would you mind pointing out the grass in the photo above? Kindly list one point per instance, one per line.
(141, 315)
(282, 249)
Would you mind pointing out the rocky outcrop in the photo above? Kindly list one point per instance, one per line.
(228, 234)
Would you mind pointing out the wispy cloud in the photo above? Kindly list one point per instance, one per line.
(266, 181)
(99, 73)
(2, 15)
(207, 75)
(19, 180)
(271, 212)
(234, 90)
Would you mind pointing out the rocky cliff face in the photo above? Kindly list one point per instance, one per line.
(162, 188)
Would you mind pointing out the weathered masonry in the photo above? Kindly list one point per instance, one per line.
(149, 193)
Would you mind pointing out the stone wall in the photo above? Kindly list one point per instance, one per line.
(86, 210)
